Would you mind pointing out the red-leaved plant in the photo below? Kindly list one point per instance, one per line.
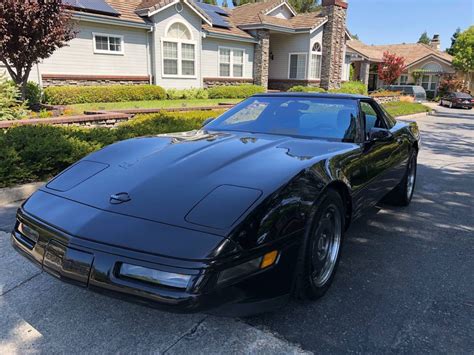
(31, 30)
(391, 68)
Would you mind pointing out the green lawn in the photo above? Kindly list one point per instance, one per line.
(78, 109)
(405, 108)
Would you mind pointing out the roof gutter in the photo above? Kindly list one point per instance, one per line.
(230, 37)
(109, 21)
(274, 28)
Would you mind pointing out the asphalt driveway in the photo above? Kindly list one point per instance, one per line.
(405, 284)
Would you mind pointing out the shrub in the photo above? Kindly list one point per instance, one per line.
(352, 87)
(300, 88)
(234, 92)
(10, 107)
(32, 153)
(67, 95)
(380, 93)
(190, 94)
(33, 94)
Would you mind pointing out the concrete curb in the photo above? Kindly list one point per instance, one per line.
(414, 116)
(18, 193)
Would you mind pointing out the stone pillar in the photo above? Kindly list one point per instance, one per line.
(261, 58)
(364, 72)
(333, 43)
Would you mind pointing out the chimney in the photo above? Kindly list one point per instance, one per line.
(334, 43)
(436, 43)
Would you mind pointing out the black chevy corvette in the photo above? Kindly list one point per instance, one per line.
(233, 218)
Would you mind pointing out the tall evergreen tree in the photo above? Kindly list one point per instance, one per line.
(424, 38)
(455, 36)
(225, 4)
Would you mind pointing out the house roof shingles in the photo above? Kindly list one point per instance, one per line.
(255, 14)
(127, 9)
(412, 52)
(248, 14)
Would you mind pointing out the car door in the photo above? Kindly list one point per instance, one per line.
(380, 156)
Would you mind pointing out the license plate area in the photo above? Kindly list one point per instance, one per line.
(69, 264)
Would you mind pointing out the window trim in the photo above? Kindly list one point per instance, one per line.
(320, 53)
(306, 65)
(180, 58)
(103, 51)
(231, 63)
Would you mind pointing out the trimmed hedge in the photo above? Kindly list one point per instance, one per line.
(349, 87)
(234, 92)
(301, 88)
(32, 153)
(67, 95)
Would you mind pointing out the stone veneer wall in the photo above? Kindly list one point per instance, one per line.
(211, 82)
(261, 58)
(79, 80)
(333, 43)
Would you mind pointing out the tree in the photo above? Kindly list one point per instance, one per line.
(464, 48)
(424, 38)
(225, 4)
(391, 68)
(355, 36)
(210, 2)
(303, 6)
(455, 36)
(31, 30)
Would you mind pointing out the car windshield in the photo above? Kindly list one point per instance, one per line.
(462, 95)
(306, 117)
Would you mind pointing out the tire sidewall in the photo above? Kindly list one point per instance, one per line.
(306, 287)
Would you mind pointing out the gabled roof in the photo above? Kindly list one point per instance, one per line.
(255, 15)
(412, 52)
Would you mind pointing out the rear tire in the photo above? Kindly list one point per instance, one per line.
(403, 193)
(320, 252)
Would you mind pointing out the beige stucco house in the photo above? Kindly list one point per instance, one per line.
(425, 64)
(185, 44)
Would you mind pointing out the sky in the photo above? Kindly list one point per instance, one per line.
(399, 21)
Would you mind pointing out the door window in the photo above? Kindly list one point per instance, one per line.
(372, 119)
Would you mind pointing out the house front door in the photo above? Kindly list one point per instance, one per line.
(372, 82)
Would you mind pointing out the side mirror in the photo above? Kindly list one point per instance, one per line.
(210, 119)
(379, 134)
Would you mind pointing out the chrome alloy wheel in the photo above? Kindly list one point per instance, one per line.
(326, 245)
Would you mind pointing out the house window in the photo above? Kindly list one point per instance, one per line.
(107, 44)
(403, 80)
(179, 51)
(430, 82)
(231, 62)
(316, 60)
(297, 66)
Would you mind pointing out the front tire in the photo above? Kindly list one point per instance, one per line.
(320, 253)
(403, 193)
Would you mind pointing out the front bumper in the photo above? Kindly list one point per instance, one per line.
(95, 266)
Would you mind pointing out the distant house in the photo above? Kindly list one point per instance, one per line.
(425, 64)
(184, 44)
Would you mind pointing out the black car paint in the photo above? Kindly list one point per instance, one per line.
(78, 224)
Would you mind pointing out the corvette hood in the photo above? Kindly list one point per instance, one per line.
(188, 178)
